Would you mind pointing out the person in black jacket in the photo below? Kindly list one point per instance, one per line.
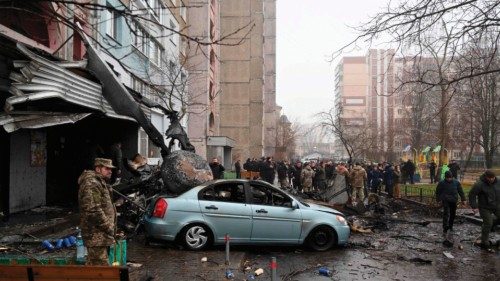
(447, 192)
(485, 196)
(237, 169)
(217, 169)
(454, 168)
(268, 170)
(297, 170)
(432, 171)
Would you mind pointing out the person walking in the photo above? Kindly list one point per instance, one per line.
(432, 171)
(485, 196)
(217, 169)
(97, 212)
(358, 177)
(447, 192)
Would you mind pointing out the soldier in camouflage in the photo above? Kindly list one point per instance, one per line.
(97, 212)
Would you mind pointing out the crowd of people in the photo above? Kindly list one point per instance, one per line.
(311, 176)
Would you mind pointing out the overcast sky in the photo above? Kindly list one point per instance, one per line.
(308, 32)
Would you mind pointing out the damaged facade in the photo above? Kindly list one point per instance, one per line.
(55, 117)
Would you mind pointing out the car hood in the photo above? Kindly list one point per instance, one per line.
(320, 208)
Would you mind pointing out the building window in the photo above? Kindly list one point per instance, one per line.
(173, 28)
(140, 38)
(111, 18)
(158, 9)
(354, 101)
(156, 52)
(139, 86)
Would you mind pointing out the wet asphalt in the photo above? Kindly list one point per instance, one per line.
(399, 251)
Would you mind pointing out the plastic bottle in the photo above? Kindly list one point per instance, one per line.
(47, 245)
(325, 272)
(80, 249)
(59, 243)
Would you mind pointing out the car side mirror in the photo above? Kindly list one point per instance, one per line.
(295, 205)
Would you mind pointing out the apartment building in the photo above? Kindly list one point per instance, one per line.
(56, 117)
(365, 95)
(248, 97)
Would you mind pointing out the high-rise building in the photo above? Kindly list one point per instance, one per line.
(365, 97)
(243, 75)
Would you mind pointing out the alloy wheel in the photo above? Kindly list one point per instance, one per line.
(196, 237)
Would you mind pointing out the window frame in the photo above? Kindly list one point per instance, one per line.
(233, 185)
(110, 20)
(272, 190)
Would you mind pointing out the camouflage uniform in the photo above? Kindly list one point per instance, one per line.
(97, 216)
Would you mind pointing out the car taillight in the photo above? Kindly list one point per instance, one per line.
(161, 206)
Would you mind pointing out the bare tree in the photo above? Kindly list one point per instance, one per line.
(481, 99)
(286, 138)
(355, 138)
(407, 26)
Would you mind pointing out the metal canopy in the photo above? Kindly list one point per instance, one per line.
(38, 81)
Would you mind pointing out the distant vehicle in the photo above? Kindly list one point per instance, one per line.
(249, 211)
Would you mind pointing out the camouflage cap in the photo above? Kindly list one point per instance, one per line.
(104, 162)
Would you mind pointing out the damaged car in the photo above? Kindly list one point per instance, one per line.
(249, 212)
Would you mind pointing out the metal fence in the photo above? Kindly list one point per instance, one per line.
(417, 193)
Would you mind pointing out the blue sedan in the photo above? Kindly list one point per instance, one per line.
(250, 212)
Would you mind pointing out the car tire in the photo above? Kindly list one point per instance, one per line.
(196, 237)
(322, 238)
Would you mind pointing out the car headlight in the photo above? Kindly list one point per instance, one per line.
(341, 219)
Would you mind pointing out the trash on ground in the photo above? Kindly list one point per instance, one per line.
(204, 259)
(229, 274)
(448, 255)
(325, 272)
(259, 271)
(134, 265)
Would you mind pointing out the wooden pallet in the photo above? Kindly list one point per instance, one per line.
(68, 272)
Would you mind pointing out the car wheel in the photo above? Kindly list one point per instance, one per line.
(196, 237)
(322, 238)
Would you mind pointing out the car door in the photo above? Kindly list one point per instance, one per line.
(224, 208)
(273, 218)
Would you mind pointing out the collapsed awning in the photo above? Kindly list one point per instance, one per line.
(52, 94)
(35, 121)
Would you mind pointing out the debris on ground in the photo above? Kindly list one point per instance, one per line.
(259, 271)
(134, 265)
(415, 259)
(448, 255)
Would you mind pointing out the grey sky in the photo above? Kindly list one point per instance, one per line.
(307, 33)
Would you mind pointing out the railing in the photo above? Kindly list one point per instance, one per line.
(417, 193)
